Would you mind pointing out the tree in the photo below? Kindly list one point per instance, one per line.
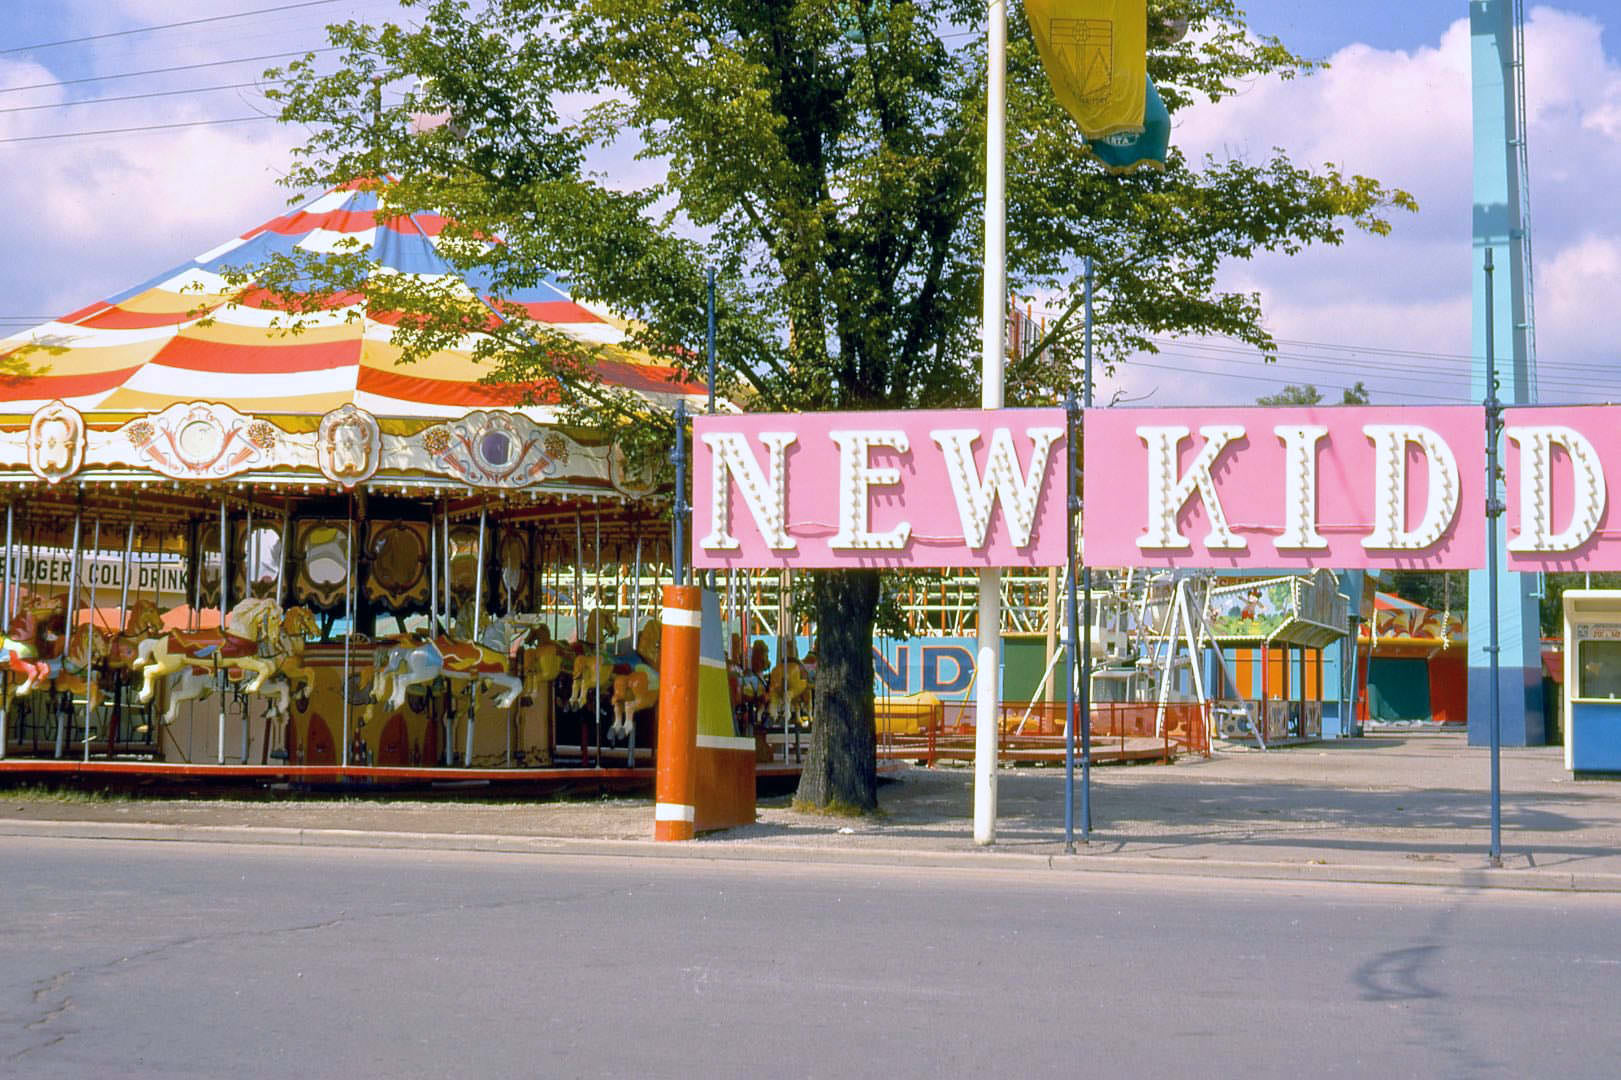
(1310, 395)
(828, 157)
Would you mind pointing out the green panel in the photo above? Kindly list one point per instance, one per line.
(1024, 660)
(1399, 688)
(714, 702)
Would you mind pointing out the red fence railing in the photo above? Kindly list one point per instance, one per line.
(1036, 732)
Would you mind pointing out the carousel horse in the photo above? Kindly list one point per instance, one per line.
(282, 648)
(297, 624)
(543, 663)
(752, 683)
(32, 641)
(143, 621)
(781, 706)
(254, 622)
(417, 661)
(70, 674)
(635, 682)
(592, 671)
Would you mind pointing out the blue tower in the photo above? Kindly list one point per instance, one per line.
(1501, 224)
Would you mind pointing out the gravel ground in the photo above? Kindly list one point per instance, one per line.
(1391, 799)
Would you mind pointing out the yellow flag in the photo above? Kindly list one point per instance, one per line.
(1095, 55)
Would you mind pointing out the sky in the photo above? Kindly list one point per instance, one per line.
(92, 214)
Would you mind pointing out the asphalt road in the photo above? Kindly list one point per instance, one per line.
(172, 959)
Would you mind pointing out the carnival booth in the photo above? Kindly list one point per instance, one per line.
(228, 542)
(1414, 664)
(1273, 632)
(1592, 682)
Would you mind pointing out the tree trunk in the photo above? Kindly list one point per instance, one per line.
(842, 769)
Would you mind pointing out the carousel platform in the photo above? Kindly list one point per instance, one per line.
(539, 780)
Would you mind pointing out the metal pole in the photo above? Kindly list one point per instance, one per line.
(1494, 509)
(225, 588)
(73, 610)
(5, 625)
(478, 576)
(636, 597)
(90, 644)
(678, 566)
(709, 338)
(1086, 598)
(281, 556)
(1070, 647)
(250, 567)
(348, 617)
(10, 583)
(596, 612)
(433, 571)
(989, 653)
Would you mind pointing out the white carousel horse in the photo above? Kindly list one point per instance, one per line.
(195, 681)
(251, 622)
(415, 662)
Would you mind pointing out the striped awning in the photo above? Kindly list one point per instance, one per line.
(180, 338)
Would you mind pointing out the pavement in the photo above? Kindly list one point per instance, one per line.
(1397, 808)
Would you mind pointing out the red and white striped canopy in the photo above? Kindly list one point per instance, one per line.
(179, 338)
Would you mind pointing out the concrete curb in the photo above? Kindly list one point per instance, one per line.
(721, 851)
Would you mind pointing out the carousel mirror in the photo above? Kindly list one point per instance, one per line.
(464, 558)
(323, 572)
(260, 552)
(397, 553)
(206, 591)
(513, 555)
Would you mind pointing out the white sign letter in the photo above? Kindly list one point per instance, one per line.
(1390, 442)
(1168, 492)
(767, 498)
(976, 495)
(1588, 494)
(1300, 489)
(856, 476)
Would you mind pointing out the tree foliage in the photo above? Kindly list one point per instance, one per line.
(828, 158)
(1296, 394)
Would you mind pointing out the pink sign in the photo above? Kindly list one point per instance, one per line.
(958, 488)
(1559, 510)
(1286, 488)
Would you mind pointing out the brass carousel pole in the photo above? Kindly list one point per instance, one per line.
(220, 670)
(73, 600)
(5, 624)
(250, 564)
(349, 618)
(123, 616)
(90, 645)
(433, 570)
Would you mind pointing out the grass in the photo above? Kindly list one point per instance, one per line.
(837, 808)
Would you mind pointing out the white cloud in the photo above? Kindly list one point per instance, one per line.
(1405, 118)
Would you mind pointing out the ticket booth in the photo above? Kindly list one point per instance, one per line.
(1593, 680)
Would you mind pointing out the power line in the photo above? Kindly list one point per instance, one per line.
(1130, 364)
(164, 71)
(165, 26)
(128, 130)
(128, 97)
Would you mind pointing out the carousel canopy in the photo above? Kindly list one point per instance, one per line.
(179, 338)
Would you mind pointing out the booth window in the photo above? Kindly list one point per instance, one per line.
(1600, 669)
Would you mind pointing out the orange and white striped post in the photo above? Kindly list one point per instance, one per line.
(676, 783)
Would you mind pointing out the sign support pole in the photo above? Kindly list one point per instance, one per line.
(987, 721)
(1494, 509)
(1071, 614)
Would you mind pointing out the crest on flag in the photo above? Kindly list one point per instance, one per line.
(1085, 47)
(1095, 54)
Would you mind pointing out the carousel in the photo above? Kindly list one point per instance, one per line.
(234, 546)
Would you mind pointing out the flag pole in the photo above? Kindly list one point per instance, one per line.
(987, 689)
